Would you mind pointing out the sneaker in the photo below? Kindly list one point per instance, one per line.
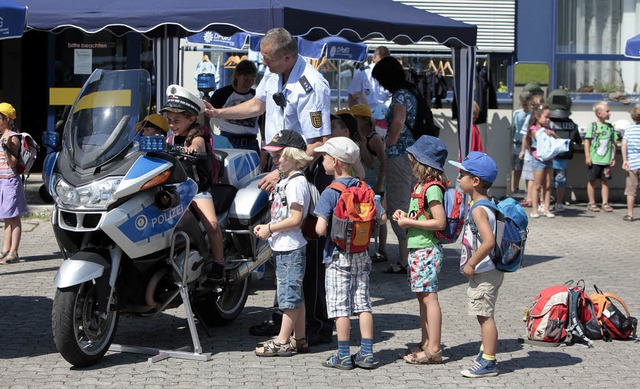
(559, 208)
(339, 363)
(478, 357)
(484, 368)
(540, 208)
(367, 361)
(534, 215)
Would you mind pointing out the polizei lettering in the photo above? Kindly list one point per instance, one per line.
(168, 216)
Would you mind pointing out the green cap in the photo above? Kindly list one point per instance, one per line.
(533, 89)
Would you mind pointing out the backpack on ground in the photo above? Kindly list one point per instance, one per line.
(562, 313)
(454, 208)
(309, 223)
(511, 233)
(615, 323)
(424, 124)
(27, 155)
(354, 218)
(547, 316)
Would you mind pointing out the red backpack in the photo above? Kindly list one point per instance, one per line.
(454, 208)
(354, 218)
(547, 317)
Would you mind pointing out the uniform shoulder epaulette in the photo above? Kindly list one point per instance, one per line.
(306, 85)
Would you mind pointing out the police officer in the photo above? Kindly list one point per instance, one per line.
(559, 102)
(364, 89)
(295, 96)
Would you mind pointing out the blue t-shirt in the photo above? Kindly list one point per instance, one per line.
(324, 209)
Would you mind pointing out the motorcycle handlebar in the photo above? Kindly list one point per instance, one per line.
(178, 151)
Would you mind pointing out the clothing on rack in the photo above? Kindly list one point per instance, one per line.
(484, 93)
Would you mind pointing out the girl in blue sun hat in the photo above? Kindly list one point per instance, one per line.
(427, 156)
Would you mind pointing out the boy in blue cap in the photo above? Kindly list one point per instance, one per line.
(477, 173)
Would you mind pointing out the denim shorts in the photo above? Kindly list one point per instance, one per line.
(538, 165)
(290, 267)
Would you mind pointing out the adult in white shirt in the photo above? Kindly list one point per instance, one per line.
(364, 89)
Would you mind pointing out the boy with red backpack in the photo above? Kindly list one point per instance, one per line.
(347, 214)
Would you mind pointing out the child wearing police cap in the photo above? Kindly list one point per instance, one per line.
(182, 109)
(290, 205)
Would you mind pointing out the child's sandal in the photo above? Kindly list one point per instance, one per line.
(607, 208)
(272, 348)
(593, 208)
(9, 258)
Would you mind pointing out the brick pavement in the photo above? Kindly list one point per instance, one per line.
(599, 248)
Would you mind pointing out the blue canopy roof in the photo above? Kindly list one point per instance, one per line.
(13, 19)
(312, 19)
(632, 47)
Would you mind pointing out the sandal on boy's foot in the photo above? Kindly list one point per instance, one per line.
(367, 361)
(300, 346)
(427, 359)
(627, 218)
(272, 348)
(339, 363)
(607, 208)
(593, 208)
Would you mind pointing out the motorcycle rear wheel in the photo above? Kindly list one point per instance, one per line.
(218, 309)
(81, 332)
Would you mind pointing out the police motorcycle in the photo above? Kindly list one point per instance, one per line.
(123, 221)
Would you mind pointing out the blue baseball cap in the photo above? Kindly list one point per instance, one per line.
(480, 165)
(430, 151)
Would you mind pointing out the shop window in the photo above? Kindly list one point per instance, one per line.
(597, 76)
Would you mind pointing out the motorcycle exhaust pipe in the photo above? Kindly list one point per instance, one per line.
(245, 268)
(152, 304)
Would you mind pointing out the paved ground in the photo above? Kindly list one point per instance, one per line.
(599, 248)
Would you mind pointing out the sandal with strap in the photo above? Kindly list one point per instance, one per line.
(627, 218)
(300, 345)
(272, 348)
(593, 208)
(428, 359)
(607, 208)
(9, 258)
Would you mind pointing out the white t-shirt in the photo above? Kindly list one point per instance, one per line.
(287, 192)
(471, 242)
(308, 102)
(363, 82)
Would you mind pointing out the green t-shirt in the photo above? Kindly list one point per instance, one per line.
(602, 137)
(418, 238)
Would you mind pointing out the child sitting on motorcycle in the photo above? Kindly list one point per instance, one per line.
(291, 199)
(182, 109)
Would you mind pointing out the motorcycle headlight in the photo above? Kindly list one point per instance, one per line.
(97, 195)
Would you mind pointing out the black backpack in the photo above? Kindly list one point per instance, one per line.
(424, 124)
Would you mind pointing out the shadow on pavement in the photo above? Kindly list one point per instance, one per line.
(26, 324)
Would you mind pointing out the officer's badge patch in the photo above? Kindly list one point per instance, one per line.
(316, 119)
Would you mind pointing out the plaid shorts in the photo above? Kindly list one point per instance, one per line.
(347, 284)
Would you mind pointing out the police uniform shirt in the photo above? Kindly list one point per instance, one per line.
(308, 102)
(566, 128)
(363, 82)
(228, 97)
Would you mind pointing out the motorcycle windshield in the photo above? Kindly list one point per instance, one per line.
(102, 120)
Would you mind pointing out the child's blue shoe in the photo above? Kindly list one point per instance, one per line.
(484, 368)
(339, 363)
(367, 361)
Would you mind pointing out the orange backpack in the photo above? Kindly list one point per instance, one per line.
(615, 324)
(354, 218)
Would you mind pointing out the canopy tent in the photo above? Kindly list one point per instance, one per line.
(13, 19)
(168, 20)
(632, 47)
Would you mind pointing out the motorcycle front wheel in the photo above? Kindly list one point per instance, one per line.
(82, 333)
(217, 309)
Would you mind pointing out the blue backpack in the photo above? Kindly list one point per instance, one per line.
(454, 208)
(511, 233)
